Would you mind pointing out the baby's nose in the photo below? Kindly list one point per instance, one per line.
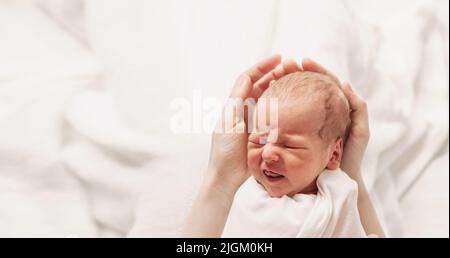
(269, 154)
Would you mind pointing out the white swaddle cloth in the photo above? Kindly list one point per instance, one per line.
(332, 212)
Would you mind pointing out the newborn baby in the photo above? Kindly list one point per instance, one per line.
(296, 188)
(313, 120)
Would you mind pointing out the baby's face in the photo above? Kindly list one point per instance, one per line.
(290, 162)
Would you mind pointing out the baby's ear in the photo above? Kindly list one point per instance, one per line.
(336, 154)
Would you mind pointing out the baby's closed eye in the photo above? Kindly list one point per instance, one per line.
(295, 146)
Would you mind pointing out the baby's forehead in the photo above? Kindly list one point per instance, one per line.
(303, 116)
(294, 117)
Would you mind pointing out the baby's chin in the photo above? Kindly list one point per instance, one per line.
(274, 194)
(272, 191)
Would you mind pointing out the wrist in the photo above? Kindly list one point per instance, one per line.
(358, 178)
(362, 190)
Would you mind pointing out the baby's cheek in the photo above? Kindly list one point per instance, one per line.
(296, 164)
(253, 157)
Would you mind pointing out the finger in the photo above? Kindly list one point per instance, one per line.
(262, 84)
(312, 66)
(290, 66)
(353, 99)
(359, 113)
(357, 104)
(287, 67)
(243, 85)
(263, 67)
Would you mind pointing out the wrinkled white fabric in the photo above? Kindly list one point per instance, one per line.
(81, 165)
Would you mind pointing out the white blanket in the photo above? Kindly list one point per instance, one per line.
(332, 212)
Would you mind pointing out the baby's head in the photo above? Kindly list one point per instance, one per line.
(313, 121)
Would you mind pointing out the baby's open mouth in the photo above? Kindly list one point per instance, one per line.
(272, 176)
